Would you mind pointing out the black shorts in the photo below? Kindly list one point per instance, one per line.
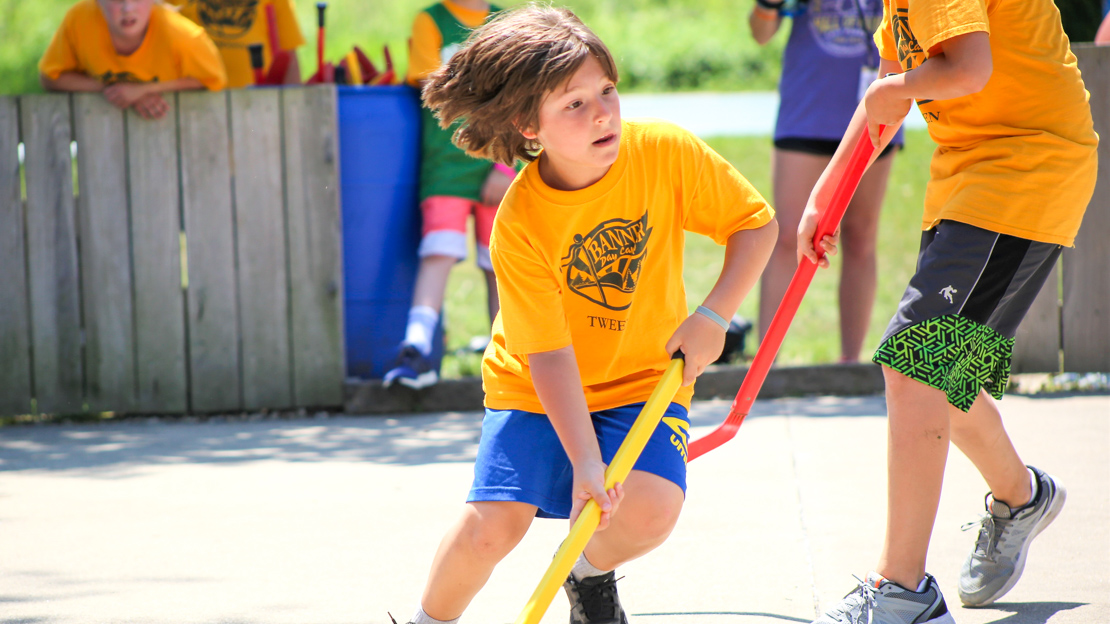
(954, 329)
(823, 147)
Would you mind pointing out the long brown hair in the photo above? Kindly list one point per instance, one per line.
(494, 85)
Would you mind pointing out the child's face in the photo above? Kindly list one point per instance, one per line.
(127, 18)
(579, 129)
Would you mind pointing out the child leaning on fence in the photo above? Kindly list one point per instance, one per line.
(453, 186)
(132, 52)
(1014, 169)
(588, 250)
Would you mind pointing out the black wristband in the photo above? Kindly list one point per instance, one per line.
(774, 6)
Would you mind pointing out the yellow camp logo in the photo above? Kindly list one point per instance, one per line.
(910, 53)
(227, 19)
(604, 265)
(681, 433)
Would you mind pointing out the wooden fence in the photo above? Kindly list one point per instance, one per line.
(1068, 327)
(193, 264)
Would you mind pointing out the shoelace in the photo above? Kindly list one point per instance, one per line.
(868, 591)
(599, 601)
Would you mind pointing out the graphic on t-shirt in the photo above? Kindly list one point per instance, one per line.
(110, 77)
(909, 51)
(837, 27)
(227, 18)
(604, 265)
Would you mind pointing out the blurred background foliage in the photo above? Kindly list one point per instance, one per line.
(660, 45)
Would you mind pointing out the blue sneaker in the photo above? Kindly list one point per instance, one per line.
(411, 369)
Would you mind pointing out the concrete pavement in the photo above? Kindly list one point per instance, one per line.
(335, 520)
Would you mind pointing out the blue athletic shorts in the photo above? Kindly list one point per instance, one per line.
(520, 458)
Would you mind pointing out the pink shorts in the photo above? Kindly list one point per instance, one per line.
(444, 230)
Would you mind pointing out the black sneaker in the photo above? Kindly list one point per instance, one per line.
(411, 369)
(593, 600)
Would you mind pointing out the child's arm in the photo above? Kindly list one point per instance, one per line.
(558, 385)
(962, 66)
(124, 94)
(71, 81)
(702, 339)
(764, 20)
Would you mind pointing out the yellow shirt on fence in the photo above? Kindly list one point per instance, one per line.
(173, 48)
(1019, 157)
(601, 268)
(234, 26)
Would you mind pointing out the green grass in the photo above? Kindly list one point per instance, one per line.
(814, 336)
(660, 45)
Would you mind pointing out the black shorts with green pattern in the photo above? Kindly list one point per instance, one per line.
(954, 329)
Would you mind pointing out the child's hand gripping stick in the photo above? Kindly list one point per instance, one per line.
(776, 331)
(617, 472)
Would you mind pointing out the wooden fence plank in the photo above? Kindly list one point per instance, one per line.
(1086, 316)
(15, 329)
(213, 309)
(311, 176)
(1037, 345)
(53, 273)
(156, 248)
(260, 248)
(106, 286)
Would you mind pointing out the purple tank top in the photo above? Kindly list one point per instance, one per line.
(828, 45)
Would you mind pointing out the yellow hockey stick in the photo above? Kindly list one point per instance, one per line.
(617, 472)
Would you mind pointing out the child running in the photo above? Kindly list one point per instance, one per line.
(587, 247)
(1013, 172)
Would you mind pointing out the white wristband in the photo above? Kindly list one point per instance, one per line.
(713, 316)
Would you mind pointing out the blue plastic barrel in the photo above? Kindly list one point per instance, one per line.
(379, 168)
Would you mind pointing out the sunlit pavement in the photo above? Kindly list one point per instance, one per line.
(335, 520)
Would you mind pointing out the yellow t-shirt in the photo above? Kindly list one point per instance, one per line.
(426, 51)
(601, 268)
(234, 26)
(173, 48)
(1019, 157)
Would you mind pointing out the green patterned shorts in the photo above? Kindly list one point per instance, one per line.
(954, 329)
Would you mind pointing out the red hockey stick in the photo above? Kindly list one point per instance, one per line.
(769, 346)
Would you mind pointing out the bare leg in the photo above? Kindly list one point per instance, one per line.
(491, 293)
(793, 176)
(917, 448)
(858, 274)
(979, 434)
(480, 539)
(646, 517)
(431, 281)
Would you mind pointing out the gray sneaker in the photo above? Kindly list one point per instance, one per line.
(593, 600)
(996, 564)
(879, 601)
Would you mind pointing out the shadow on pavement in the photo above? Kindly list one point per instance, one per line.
(113, 449)
(1030, 612)
(745, 614)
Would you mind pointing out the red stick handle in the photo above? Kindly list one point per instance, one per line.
(272, 29)
(769, 346)
(320, 8)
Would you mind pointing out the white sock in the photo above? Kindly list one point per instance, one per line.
(421, 328)
(424, 618)
(1034, 485)
(923, 584)
(583, 568)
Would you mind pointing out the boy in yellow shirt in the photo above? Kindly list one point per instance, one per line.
(132, 52)
(1013, 172)
(588, 248)
(235, 26)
